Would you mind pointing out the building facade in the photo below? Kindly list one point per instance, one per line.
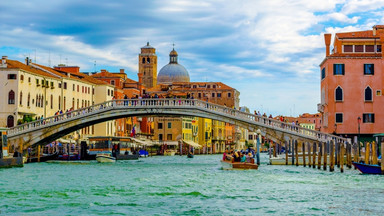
(352, 84)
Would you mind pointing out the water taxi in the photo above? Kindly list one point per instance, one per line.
(228, 165)
(105, 158)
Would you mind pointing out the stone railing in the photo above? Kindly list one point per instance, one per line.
(165, 104)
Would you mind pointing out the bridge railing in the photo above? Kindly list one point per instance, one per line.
(173, 103)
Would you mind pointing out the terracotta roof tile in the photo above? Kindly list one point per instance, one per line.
(356, 55)
(357, 34)
(17, 64)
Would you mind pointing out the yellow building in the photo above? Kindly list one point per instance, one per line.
(218, 136)
(187, 128)
(205, 134)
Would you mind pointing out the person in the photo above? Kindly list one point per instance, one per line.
(243, 158)
(225, 155)
(249, 157)
(237, 156)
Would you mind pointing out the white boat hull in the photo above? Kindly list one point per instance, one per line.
(105, 159)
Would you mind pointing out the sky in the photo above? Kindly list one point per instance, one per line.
(269, 50)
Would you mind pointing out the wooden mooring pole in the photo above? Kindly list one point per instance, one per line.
(374, 152)
(314, 155)
(303, 149)
(325, 154)
(341, 157)
(331, 156)
(286, 152)
(309, 155)
(293, 152)
(337, 154)
(319, 156)
(367, 150)
(297, 153)
(38, 153)
(349, 155)
(382, 159)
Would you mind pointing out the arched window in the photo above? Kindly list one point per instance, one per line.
(148, 60)
(64, 103)
(143, 61)
(339, 94)
(368, 94)
(42, 104)
(73, 103)
(59, 102)
(22, 77)
(11, 97)
(10, 121)
(21, 98)
(37, 100)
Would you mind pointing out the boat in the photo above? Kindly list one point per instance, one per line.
(280, 160)
(43, 158)
(105, 158)
(228, 165)
(368, 168)
(169, 152)
(190, 156)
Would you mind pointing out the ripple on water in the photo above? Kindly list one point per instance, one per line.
(181, 186)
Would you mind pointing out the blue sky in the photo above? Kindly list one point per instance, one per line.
(268, 50)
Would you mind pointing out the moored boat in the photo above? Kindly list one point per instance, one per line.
(105, 158)
(368, 168)
(169, 152)
(190, 155)
(228, 165)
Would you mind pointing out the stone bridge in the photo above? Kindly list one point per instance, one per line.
(46, 130)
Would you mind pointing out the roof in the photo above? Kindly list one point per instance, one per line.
(356, 35)
(30, 68)
(130, 81)
(147, 46)
(105, 74)
(356, 55)
(173, 73)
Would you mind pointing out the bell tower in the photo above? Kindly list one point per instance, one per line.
(148, 65)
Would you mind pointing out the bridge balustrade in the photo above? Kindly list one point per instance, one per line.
(172, 103)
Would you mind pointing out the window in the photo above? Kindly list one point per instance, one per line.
(378, 48)
(11, 97)
(378, 93)
(339, 118)
(10, 121)
(369, 48)
(209, 86)
(22, 77)
(214, 86)
(169, 125)
(60, 85)
(348, 48)
(12, 76)
(213, 95)
(368, 118)
(219, 95)
(93, 91)
(89, 90)
(169, 136)
(159, 125)
(108, 92)
(199, 95)
(148, 60)
(339, 94)
(37, 83)
(143, 60)
(368, 94)
(82, 89)
(51, 101)
(160, 137)
(111, 92)
(73, 87)
(59, 102)
(78, 88)
(338, 69)
(52, 86)
(322, 73)
(28, 99)
(21, 98)
(229, 94)
(194, 86)
(29, 79)
(369, 69)
(359, 48)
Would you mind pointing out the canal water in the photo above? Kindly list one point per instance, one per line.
(182, 186)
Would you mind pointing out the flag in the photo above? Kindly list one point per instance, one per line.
(133, 132)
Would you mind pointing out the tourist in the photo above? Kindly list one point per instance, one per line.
(225, 155)
(243, 158)
(249, 157)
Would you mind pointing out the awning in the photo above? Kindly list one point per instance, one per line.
(191, 143)
(143, 142)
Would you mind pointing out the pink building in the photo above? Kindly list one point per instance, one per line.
(352, 84)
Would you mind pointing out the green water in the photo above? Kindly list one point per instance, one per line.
(182, 186)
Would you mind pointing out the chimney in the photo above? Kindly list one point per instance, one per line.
(327, 38)
(374, 30)
(121, 70)
(27, 61)
(4, 57)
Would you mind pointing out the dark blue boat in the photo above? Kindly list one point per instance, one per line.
(368, 168)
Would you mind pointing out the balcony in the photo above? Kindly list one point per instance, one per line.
(320, 108)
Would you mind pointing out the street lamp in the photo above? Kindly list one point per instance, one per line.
(358, 127)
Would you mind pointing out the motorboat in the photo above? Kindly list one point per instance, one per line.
(368, 168)
(169, 152)
(228, 165)
(190, 156)
(105, 158)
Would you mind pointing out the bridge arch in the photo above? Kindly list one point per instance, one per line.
(44, 131)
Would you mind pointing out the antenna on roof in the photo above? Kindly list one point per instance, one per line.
(94, 66)
(66, 61)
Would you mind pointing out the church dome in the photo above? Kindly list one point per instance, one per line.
(172, 72)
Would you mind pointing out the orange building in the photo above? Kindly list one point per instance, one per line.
(352, 84)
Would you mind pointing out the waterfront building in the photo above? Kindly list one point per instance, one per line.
(352, 84)
(205, 134)
(32, 91)
(218, 136)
